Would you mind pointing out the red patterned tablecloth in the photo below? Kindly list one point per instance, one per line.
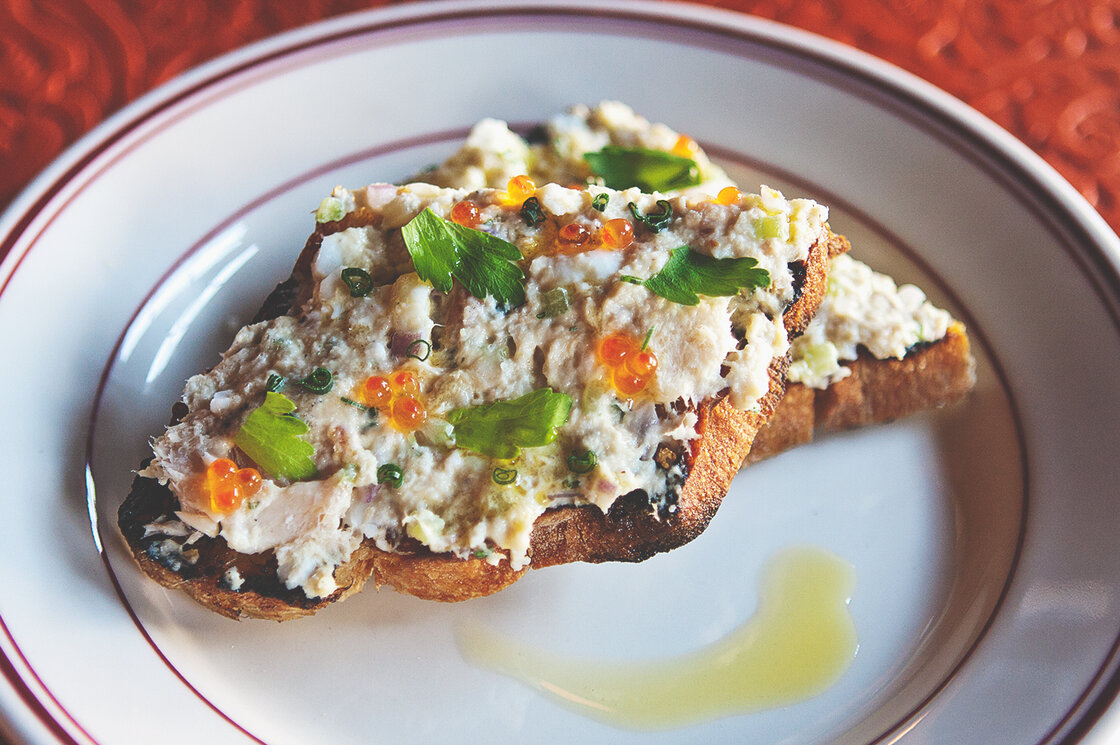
(1047, 70)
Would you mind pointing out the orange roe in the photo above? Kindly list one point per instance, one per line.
(466, 214)
(520, 188)
(408, 413)
(573, 236)
(396, 397)
(631, 367)
(376, 392)
(729, 195)
(617, 233)
(229, 485)
(685, 147)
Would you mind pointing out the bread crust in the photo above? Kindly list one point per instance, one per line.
(631, 530)
(930, 376)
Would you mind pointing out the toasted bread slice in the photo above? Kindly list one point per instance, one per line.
(930, 376)
(920, 373)
(633, 527)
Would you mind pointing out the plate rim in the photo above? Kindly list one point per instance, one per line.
(1069, 211)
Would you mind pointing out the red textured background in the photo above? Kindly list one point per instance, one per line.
(1047, 70)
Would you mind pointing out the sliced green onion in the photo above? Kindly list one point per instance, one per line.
(531, 212)
(358, 280)
(649, 335)
(599, 201)
(418, 350)
(354, 403)
(582, 462)
(275, 383)
(553, 303)
(504, 476)
(319, 381)
(631, 279)
(391, 474)
(655, 221)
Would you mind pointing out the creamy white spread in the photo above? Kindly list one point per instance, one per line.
(481, 352)
(493, 154)
(862, 309)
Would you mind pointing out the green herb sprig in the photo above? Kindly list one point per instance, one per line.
(502, 428)
(649, 170)
(484, 264)
(688, 274)
(271, 437)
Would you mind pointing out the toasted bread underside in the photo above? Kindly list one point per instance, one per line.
(631, 530)
(930, 376)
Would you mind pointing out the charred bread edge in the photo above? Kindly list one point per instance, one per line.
(629, 531)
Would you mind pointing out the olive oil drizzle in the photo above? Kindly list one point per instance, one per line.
(797, 644)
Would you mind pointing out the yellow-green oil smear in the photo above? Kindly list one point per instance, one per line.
(798, 643)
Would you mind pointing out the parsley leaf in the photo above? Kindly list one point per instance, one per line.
(688, 274)
(502, 428)
(270, 436)
(649, 170)
(484, 264)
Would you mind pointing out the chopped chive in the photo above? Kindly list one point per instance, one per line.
(504, 476)
(275, 383)
(582, 462)
(354, 403)
(319, 381)
(649, 335)
(531, 212)
(358, 280)
(631, 279)
(655, 221)
(391, 474)
(599, 201)
(422, 350)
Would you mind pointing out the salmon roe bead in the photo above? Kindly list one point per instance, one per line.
(617, 233)
(627, 383)
(222, 468)
(729, 195)
(466, 214)
(632, 366)
(229, 485)
(396, 397)
(573, 235)
(408, 413)
(614, 349)
(685, 147)
(642, 363)
(520, 188)
(406, 383)
(376, 391)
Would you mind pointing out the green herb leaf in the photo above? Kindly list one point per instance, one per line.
(484, 264)
(502, 428)
(270, 436)
(649, 170)
(688, 274)
(655, 221)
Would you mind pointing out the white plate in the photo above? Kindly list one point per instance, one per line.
(983, 537)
